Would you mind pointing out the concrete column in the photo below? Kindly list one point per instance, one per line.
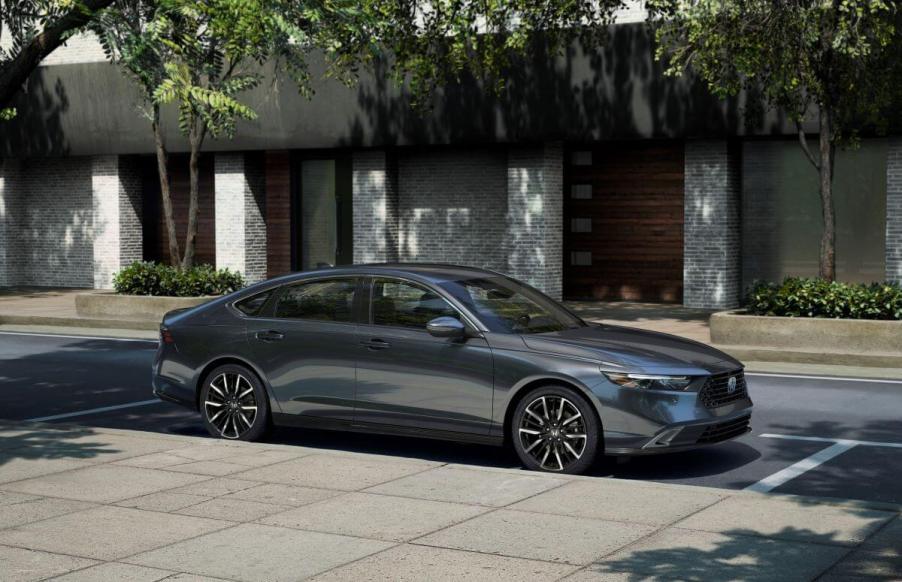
(712, 231)
(534, 220)
(239, 192)
(117, 237)
(375, 207)
(894, 210)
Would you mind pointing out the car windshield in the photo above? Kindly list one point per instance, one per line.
(506, 306)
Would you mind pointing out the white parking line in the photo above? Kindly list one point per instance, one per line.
(792, 437)
(838, 447)
(82, 337)
(791, 472)
(93, 410)
(828, 378)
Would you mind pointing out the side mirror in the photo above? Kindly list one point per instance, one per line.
(446, 326)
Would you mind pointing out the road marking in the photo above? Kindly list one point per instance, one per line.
(91, 337)
(827, 440)
(93, 410)
(791, 472)
(829, 378)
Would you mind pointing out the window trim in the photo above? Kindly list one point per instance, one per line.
(370, 320)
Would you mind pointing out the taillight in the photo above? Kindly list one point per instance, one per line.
(166, 335)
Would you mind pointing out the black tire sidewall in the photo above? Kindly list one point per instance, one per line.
(593, 428)
(261, 421)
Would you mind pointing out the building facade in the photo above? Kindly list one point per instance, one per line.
(592, 175)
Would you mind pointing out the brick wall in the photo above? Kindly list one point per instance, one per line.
(712, 231)
(239, 190)
(534, 237)
(452, 207)
(69, 222)
(375, 202)
(894, 210)
(486, 208)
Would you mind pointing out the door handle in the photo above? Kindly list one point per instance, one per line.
(270, 335)
(376, 344)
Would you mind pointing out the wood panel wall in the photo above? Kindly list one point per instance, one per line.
(278, 213)
(157, 237)
(636, 210)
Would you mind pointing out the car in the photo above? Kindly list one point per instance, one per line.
(445, 352)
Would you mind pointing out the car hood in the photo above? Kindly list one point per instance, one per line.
(634, 349)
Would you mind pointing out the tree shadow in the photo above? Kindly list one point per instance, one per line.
(38, 125)
(33, 441)
(736, 554)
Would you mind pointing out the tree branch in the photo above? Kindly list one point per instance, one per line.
(804, 142)
(14, 73)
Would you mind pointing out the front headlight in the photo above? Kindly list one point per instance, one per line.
(649, 382)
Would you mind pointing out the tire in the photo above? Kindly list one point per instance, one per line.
(234, 404)
(546, 431)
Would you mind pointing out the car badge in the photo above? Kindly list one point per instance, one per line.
(731, 385)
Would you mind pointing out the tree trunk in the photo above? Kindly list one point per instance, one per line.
(828, 238)
(14, 73)
(195, 138)
(175, 256)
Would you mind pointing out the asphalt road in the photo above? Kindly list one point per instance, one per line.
(814, 425)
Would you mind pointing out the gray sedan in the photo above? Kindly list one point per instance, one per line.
(444, 352)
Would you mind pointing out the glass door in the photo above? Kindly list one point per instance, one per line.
(324, 215)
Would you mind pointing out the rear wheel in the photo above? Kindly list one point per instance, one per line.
(233, 403)
(555, 429)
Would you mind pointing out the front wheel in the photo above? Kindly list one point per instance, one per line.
(233, 403)
(555, 429)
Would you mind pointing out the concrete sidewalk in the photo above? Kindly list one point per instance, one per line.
(79, 503)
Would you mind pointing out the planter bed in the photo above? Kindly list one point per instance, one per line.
(142, 307)
(849, 336)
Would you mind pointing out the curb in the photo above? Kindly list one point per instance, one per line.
(768, 354)
(91, 322)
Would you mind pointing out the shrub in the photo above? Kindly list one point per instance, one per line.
(800, 297)
(148, 278)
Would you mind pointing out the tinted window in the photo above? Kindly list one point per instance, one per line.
(331, 300)
(252, 305)
(510, 307)
(403, 304)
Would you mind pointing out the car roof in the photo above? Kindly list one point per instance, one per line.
(434, 272)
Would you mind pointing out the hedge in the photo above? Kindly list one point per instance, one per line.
(801, 297)
(149, 278)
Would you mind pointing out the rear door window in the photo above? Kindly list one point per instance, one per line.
(321, 300)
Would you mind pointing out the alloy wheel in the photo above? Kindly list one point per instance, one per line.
(231, 406)
(553, 432)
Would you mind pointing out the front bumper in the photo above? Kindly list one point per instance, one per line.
(685, 436)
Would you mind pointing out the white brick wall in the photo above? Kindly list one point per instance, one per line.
(240, 210)
(483, 208)
(894, 210)
(712, 239)
(452, 207)
(68, 222)
(535, 228)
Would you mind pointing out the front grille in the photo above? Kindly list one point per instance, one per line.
(716, 391)
(725, 430)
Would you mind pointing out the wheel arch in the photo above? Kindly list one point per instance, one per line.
(225, 360)
(522, 389)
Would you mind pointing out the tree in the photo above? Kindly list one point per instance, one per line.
(36, 28)
(829, 58)
(203, 55)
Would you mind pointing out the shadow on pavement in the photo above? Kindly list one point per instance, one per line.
(23, 442)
